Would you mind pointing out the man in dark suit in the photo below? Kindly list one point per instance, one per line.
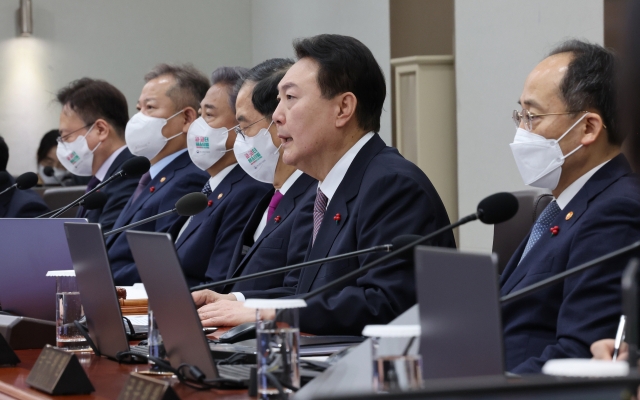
(328, 117)
(17, 203)
(205, 242)
(167, 105)
(568, 110)
(91, 143)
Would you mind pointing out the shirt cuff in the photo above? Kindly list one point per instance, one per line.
(239, 296)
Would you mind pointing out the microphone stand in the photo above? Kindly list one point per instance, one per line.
(141, 222)
(45, 215)
(15, 185)
(384, 247)
(84, 196)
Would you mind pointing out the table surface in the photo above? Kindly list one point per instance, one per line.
(107, 376)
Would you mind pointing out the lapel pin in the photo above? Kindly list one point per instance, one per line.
(337, 218)
(554, 230)
(152, 189)
(164, 178)
(219, 196)
(569, 215)
(277, 218)
(209, 203)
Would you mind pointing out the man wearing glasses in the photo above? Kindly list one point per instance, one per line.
(91, 143)
(568, 141)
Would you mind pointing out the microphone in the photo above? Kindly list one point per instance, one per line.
(133, 167)
(49, 171)
(498, 207)
(95, 201)
(188, 205)
(23, 182)
(625, 251)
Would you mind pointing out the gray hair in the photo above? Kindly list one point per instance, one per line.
(229, 76)
(191, 85)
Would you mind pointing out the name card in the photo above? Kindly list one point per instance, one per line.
(59, 372)
(140, 387)
(7, 355)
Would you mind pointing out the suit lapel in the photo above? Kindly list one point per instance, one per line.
(329, 229)
(6, 198)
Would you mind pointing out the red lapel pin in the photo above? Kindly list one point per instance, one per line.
(554, 230)
(209, 203)
(152, 189)
(277, 218)
(337, 218)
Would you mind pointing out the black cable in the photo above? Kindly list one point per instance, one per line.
(276, 383)
(85, 333)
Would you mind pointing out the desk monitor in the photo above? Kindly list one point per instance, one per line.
(97, 290)
(28, 249)
(458, 297)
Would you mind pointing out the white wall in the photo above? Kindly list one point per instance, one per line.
(277, 22)
(497, 44)
(115, 40)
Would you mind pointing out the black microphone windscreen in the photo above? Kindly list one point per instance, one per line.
(191, 204)
(399, 242)
(498, 207)
(48, 171)
(27, 180)
(136, 166)
(95, 201)
(4, 177)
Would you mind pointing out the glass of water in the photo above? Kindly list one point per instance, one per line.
(278, 345)
(68, 310)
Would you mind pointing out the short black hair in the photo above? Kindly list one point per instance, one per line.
(4, 154)
(190, 88)
(48, 141)
(347, 65)
(590, 83)
(92, 99)
(229, 76)
(266, 77)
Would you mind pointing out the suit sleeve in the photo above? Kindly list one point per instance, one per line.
(31, 205)
(392, 205)
(118, 196)
(591, 304)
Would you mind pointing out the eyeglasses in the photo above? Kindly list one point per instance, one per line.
(61, 139)
(526, 117)
(241, 131)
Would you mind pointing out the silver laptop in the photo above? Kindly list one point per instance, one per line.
(173, 307)
(29, 248)
(97, 290)
(460, 317)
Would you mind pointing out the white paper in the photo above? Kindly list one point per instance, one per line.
(68, 272)
(136, 292)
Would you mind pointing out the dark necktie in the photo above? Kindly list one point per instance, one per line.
(144, 181)
(542, 226)
(207, 189)
(273, 204)
(319, 207)
(93, 182)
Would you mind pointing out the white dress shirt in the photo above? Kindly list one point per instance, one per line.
(159, 166)
(104, 168)
(570, 192)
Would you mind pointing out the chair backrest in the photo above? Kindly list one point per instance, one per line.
(61, 196)
(40, 190)
(508, 235)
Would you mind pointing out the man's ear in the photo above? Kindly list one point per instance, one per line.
(346, 104)
(190, 115)
(594, 127)
(102, 128)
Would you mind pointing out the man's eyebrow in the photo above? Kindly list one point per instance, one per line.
(287, 85)
(530, 103)
(209, 106)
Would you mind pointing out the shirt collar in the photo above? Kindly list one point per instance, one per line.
(159, 166)
(290, 181)
(214, 181)
(570, 192)
(104, 168)
(333, 179)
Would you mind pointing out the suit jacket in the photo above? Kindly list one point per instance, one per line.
(206, 245)
(20, 203)
(563, 320)
(118, 193)
(282, 242)
(381, 196)
(175, 180)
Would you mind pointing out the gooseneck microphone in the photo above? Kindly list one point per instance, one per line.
(494, 209)
(94, 201)
(188, 205)
(23, 182)
(51, 173)
(133, 167)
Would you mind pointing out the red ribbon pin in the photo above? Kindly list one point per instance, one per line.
(337, 218)
(554, 230)
(277, 218)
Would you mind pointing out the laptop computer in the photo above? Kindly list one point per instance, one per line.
(97, 290)
(30, 247)
(460, 314)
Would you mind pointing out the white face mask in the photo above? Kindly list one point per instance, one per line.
(257, 155)
(143, 134)
(76, 156)
(206, 145)
(539, 159)
(58, 175)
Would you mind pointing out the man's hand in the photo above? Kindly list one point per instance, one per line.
(603, 350)
(225, 313)
(203, 297)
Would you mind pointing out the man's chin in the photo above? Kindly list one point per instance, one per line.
(289, 157)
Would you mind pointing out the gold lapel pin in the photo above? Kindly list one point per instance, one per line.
(163, 179)
(219, 196)
(569, 215)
